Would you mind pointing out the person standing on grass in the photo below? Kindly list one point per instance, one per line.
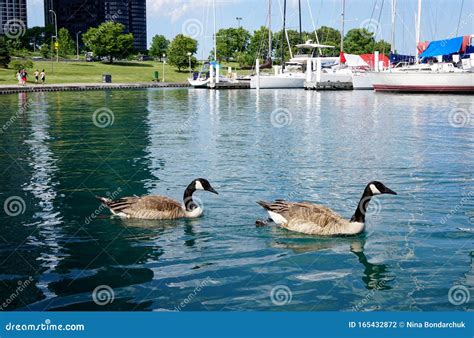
(18, 76)
(36, 76)
(24, 75)
(43, 76)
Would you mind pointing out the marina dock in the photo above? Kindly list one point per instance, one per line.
(12, 89)
(330, 85)
(230, 85)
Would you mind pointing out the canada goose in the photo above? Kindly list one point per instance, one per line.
(314, 219)
(159, 207)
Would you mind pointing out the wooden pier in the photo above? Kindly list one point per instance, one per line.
(330, 85)
(12, 89)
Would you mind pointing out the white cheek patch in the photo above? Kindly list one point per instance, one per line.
(199, 185)
(374, 190)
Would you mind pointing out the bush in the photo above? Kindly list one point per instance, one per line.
(20, 64)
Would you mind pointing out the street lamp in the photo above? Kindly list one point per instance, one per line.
(77, 43)
(56, 29)
(189, 58)
(164, 61)
(238, 20)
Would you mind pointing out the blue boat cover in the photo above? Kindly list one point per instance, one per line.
(443, 47)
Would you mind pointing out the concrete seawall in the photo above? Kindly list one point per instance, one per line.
(12, 89)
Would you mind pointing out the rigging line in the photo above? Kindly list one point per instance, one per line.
(380, 15)
(314, 25)
(373, 10)
(459, 19)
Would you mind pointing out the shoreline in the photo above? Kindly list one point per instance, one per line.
(14, 89)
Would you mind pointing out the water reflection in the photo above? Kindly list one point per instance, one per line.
(375, 276)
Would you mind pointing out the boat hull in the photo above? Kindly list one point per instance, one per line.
(199, 83)
(278, 81)
(455, 82)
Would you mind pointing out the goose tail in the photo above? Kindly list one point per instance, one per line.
(104, 200)
(264, 205)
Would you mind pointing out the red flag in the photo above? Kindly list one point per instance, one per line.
(342, 58)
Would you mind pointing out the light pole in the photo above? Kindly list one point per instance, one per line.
(56, 30)
(238, 20)
(164, 61)
(77, 43)
(189, 58)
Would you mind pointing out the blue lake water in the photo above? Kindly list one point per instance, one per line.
(57, 245)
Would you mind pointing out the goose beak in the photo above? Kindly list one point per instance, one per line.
(389, 191)
(211, 189)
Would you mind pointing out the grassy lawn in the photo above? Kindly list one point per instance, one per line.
(91, 72)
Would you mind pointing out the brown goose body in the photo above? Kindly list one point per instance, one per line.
(315, 219)
(146, 207)
(310, 219)
(159, 207)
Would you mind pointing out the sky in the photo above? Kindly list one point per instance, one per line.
(195, 18)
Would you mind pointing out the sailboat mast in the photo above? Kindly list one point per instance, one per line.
(215, 37)
(342, 25)
(392, 39)
(283, 37)
(269, 29)
(299, 10)
(418, 28)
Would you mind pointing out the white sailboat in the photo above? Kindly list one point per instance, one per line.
(439, 77)
(205, 76)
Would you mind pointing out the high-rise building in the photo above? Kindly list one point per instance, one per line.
(13, 17)
(80, 15)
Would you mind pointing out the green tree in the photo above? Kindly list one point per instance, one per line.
(45, 50)
(330, 37)
(257, 47)
(109, 40)
(231, 41)
(382, 46)
(4, 54)
(66, 45)
(359, 41)
(178, 52)
(36, 36)
(159, 45)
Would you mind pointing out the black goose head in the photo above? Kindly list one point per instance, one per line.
(203, 184)
(375, 188)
